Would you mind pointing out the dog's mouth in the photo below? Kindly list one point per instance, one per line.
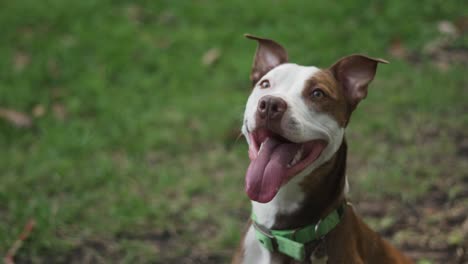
(274, 160)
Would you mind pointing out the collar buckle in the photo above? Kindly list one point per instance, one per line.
(316, 227)
(266, 238)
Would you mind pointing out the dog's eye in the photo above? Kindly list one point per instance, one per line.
(317, 93)
(265, 84)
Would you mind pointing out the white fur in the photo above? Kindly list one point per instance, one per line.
(287, 82)
(346, 187)
(254, 252)
(315, 260)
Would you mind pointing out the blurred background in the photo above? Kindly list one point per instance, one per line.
(119, 119)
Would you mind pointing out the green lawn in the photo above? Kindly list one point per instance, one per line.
(134, 157)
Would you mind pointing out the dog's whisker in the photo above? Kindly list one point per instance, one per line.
(238, 137)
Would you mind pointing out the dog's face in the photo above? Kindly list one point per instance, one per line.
(295, 117)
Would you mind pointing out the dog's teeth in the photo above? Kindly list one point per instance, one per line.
(296, 158)
(261, 146)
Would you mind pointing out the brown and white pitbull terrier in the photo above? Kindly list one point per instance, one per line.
(294, 123)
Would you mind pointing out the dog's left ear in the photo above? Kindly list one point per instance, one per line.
(354, 73)
(269, 54)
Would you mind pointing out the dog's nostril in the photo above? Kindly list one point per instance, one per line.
(262, 105)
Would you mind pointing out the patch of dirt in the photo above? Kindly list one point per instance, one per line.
(162, 236)
(195, 258)
(92, 251)
(462, 143)
(433, 228)
(167, 247)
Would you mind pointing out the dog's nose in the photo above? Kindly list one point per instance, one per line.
(271, 107)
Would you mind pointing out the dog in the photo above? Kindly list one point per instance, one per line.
(294, 123)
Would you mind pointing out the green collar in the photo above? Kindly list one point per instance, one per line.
(292, 242)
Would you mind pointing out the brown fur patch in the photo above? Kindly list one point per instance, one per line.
(334, 102)
(314, 181)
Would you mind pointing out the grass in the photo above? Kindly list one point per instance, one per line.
(134, 160)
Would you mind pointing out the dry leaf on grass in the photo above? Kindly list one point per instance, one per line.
(59, 111)
(447, 27)
(10, 255)
(16, 118)
(20, 61)
(38, 110)
(397, 49)
(134, 13)
(211, 56)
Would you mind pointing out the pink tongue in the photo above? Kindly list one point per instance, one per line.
(267, 172)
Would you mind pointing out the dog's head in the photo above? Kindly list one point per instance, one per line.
(295, 117)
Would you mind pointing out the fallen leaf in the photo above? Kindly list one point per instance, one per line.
(20, 61)
(59, 111)
(28, 228)
(465, 227)
(38, 110)
(211, 56)
(397, 49)
(134, 13)
(18, 119)
(442, 66)
(436, 45)
(447, 27)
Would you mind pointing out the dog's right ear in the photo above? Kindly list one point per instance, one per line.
(269, 54)
(354, 73)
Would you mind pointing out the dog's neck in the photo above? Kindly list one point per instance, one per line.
(306, 200)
